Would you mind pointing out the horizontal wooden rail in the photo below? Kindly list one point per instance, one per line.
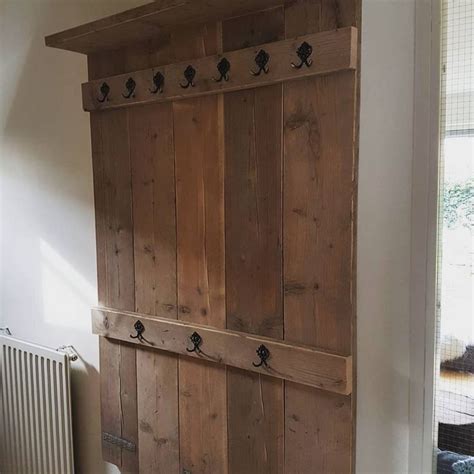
(300, 364)
(331, 51)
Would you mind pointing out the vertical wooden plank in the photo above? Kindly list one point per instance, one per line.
(100, 205)
(110, 149)
(152, 154)
(319, 137)
(253, 144)
(319, 230)
(199, 163)
(152, 157)
(253, 133)
(200, 224)
(109, 353)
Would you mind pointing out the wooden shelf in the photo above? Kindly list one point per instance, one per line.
(333, 51)
(153, 20)
(294, 362)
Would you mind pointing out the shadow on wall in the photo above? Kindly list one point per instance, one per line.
(47, 215)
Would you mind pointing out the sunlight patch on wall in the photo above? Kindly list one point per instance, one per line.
(67, 295)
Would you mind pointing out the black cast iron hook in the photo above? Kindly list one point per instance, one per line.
(189, 75)
(304, 52)
(261, 60)
(159, 82)
(140, 330)
(196, 339)
(130, 86)
(223, 66)
(264, 354)
(104, 90)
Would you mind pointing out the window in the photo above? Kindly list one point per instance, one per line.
(454, 378)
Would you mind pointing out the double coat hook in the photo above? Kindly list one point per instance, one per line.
(303, 52)
(223, 66)
(104, 90)
(158, 82)
(189, 75)
(196, 339)
(140, 329)
(263, 353)
(130, 85)
(261, 60)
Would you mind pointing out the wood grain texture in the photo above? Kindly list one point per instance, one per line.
(201, 284)
(332, 51)
(158, 428)
(200, 212)
(318, 431)
(253, 122)
(200, 259)
(318, 202)
(319, 229)
(253, 144)
(294, 362)
(110, 149)
(152, 157)
(152, 152)
(254, 270)
(156, 249)
(154, 20)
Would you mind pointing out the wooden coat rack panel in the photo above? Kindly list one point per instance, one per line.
(299, 364)
(229, 213)
(331, 51)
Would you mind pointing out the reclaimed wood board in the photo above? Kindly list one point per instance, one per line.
(151, 150)
(115, 264)
(253, 251)
(200, 260)
(319, 226)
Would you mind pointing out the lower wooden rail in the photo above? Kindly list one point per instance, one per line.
(300, 364)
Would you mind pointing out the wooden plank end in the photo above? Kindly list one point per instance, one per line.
(354, 47)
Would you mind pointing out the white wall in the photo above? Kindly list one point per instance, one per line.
(48, 276)
(48, 266)
(385, 161)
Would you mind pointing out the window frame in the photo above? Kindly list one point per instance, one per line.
(424, 244)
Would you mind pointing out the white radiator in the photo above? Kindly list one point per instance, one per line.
(36, 436)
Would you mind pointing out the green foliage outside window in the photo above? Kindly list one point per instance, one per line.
(458, 204)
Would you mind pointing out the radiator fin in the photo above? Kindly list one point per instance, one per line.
(36, 410)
